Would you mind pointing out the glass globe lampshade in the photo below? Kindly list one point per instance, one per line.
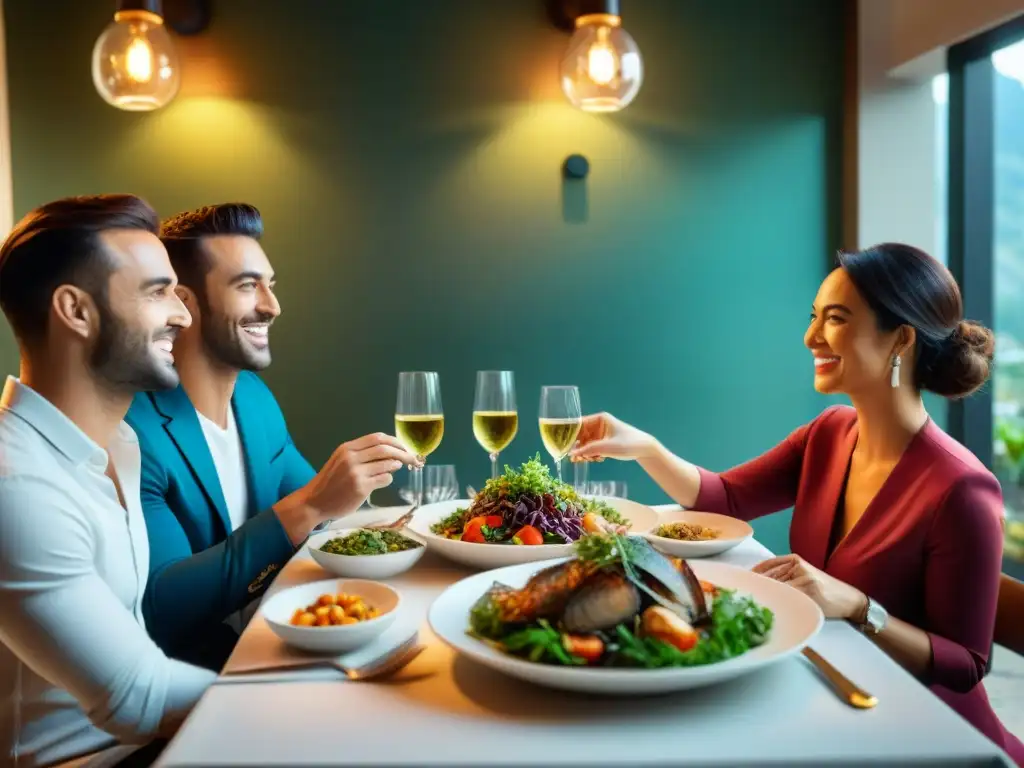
(134, 63)
(602, 69)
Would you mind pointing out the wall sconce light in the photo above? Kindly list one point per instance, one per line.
(602, 69)
(135, 66)
(575, 167)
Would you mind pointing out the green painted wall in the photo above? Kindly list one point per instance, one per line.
(406, 157)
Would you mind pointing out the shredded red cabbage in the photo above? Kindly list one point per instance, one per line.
(542, 513)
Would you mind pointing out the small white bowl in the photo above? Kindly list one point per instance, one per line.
(733, 533)
(279, 608)
(364, 566)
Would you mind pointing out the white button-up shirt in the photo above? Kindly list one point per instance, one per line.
(78, 672)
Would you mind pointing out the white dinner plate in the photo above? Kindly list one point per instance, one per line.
(640, 517)
(732, 533)
(796, 621)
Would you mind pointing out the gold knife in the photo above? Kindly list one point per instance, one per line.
(847, 690)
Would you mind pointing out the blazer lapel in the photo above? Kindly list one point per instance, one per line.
(182, 424)
(257, 453)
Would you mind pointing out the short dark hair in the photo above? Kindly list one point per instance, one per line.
(59, 243)
(904, 285)
(183, 235)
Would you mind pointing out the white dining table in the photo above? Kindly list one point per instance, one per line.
(445, 710)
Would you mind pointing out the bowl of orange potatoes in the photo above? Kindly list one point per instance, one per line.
(333, 616)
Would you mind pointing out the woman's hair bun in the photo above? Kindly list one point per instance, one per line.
(962, 364)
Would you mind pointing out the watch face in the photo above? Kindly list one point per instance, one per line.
(876, 616)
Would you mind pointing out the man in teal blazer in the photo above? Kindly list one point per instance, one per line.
(226, 495)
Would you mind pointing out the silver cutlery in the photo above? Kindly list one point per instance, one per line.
(399, 523)
(387, 664)
(848, 691)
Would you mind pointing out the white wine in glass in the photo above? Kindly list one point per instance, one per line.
(560, 421)
(419, 419)
(421, 433)
(495, 418)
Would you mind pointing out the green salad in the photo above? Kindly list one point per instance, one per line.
(367, 541)
(619, 603)
(528, 507)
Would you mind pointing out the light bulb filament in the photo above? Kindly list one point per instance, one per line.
(601, 63)
(138, 61)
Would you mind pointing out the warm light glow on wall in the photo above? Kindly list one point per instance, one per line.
(219, 145)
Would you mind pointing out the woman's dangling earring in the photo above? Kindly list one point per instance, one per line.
(895, 380)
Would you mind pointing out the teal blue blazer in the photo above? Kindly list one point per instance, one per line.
(200, 572)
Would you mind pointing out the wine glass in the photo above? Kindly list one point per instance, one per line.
(419, 419)
(440, 483)
(495, 419)
(612, 488)
(560, 421)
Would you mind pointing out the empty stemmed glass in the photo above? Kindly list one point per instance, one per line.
(495, 418)
(610, 488)
(440, 483)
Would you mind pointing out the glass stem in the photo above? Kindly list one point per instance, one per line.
(558, 466)
(494, 466)
(580, 477)
(417, 482)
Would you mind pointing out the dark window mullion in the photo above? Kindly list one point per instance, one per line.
(972, 219)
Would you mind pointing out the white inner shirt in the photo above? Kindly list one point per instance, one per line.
(229, 459)
(226, 449)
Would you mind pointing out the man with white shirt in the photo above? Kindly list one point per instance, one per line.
(88, 290)
(217, 456)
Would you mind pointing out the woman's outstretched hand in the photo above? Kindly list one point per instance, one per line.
(603, 436)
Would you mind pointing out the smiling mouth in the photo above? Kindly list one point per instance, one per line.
(164, 345)
(825, 363)
(257, 332)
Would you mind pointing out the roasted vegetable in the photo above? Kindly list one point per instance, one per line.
(590, 648)
(669, 628)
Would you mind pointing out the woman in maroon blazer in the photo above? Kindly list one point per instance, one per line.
(896, 526)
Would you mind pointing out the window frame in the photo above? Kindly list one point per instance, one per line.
(971, 206)
(971, 215)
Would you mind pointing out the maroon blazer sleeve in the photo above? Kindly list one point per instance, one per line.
(964, 563)
(761, 486)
